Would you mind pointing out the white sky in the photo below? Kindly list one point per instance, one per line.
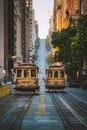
(42, 16)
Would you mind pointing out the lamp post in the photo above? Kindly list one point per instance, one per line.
(15, 65)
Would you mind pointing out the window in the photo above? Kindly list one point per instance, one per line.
(49, 74)
(26, 73)
(55, 74)
(59, 7)
(61, 74)
(19, 73)
(33, 73)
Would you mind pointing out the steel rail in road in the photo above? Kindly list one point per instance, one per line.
(77, 115)
(75, 104)
(15, 115)
(62, 114)
(85, 102)
(13, 103)
(16, 125)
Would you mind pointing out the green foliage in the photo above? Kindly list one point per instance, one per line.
(37, 44)
(48, 45)
(79, 46)
(49, 59)
(82, 29)
(63, 41)
(55, 39)
(72, 43)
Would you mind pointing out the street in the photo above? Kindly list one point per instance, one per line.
(44, 110)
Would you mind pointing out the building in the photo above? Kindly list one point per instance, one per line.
(65, 13)
(28, 28)
(36, 28)
(51, 29)
(59, 14)
(73, 8)
(18, 32)
(6, 36)
(83, 7)
(31, 31)
(12, 34)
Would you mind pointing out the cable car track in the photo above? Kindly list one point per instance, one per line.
(16, 125)
(75, 104)
(61, 113)
(14, 117)
(62, 105)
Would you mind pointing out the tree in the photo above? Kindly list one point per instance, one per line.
(49, 59)
(48, 44)
(55, 39)
(79, 46)
(37, 43)
(72, 43)
(82, 29)
(63, 40)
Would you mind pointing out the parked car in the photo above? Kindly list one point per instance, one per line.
(85, 84)
(74, 83)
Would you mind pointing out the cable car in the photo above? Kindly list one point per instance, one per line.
(55, 76)
(26, 76)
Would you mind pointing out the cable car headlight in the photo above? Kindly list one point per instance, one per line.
(26, 84)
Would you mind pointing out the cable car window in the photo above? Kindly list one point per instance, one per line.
(61, 74)
(55, 74)
(26, 73)
(19, 73)
(49, 74)
(33, 73)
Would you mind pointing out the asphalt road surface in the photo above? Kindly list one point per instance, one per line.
(44, 110)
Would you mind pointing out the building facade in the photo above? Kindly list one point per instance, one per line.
(51, 29)
(64, 11)
(6, 36)
(2, 37)
(31, 32)
(16, 34)
(83, 7)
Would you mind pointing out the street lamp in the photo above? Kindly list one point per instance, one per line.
(15, 62)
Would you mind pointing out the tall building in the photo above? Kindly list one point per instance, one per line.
(59, 14)
(28, 27)
(31, 31)
(73, 9)
(19, 31)
(83, 4)
(17, 26)
(2, 43)
(12, 34)
(34, 31)
(6, 36)
(50, 22)
(36, 28)
(64, 11)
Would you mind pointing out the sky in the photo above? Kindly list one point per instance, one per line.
(42, 16)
